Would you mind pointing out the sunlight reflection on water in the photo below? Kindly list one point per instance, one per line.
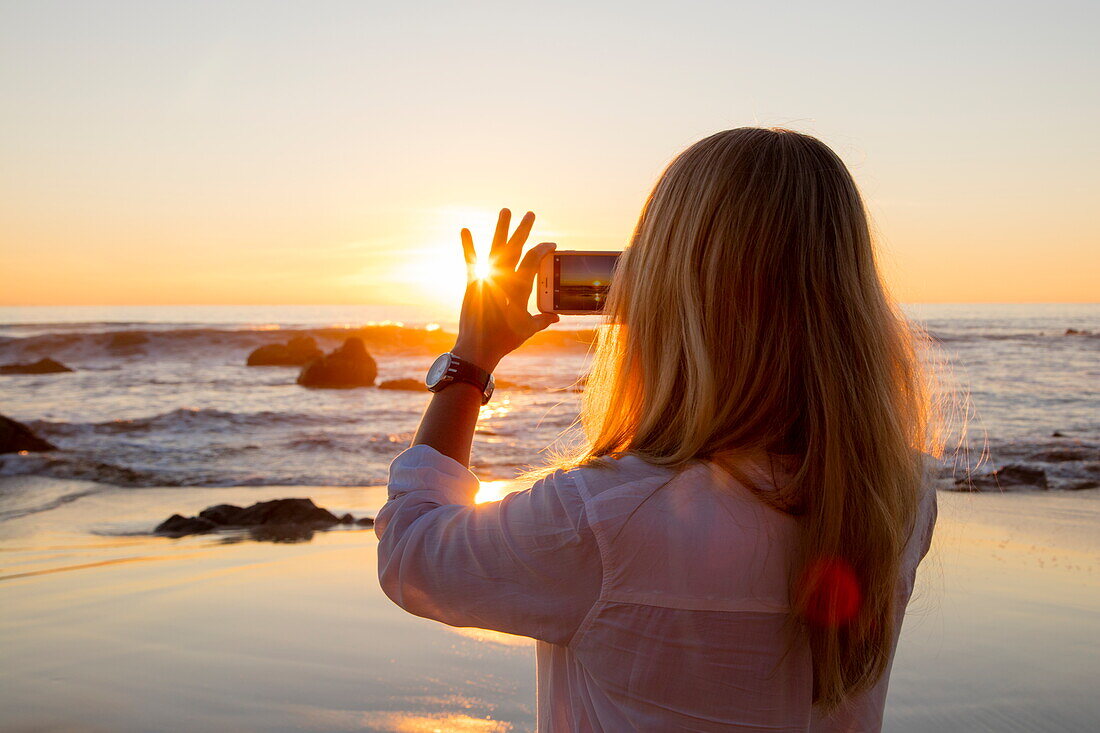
(497, 409)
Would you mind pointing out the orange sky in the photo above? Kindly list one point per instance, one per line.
(166, 155)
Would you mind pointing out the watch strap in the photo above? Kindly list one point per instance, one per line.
(460, 370)
(464, 371)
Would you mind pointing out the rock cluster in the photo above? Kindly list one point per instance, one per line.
(280, 520)
(348, 367)
(1012, 476)
(298, 351)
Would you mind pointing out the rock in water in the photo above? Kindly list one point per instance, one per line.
(299, 351)
(178, 526)
(286, 520)
(1059, 455)
(285, 511)
(406, 384)
(42, 366)
(224, 514)
(349, 366)
(16, 437)
(1005, 478)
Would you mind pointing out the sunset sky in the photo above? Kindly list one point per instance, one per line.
(329, 152)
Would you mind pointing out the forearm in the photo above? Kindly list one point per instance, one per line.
(448, 423)
(494, 322)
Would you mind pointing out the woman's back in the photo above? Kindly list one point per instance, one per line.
(682, 624)
(691, 630)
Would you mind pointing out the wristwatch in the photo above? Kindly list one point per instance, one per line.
(448, 369)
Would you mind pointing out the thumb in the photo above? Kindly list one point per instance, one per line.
(542, 320)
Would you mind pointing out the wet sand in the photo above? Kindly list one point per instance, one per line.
(106, 632)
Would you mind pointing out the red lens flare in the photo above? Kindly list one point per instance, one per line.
(832, 590)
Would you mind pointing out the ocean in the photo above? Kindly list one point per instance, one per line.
(161, 395)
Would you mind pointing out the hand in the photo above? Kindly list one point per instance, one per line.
(494, 319)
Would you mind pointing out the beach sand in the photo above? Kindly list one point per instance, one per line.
(104, 631)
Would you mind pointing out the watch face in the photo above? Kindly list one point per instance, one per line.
(437, 370)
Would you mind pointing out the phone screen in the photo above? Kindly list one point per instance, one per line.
(581, 281)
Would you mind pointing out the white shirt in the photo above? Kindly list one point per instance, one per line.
(659, 599)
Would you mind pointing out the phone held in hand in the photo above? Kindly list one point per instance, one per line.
(574, 282)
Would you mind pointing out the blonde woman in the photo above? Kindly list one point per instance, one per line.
(734, 545)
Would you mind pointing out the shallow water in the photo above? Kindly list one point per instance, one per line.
(103, 630)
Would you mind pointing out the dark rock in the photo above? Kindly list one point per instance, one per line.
(410, 385)
(285, 511)
(291, 519)
(347, 519)
(299, 351)
(365, 521)
(1082, 485)
(1060, 455)
(347, 367)
(1057, 434)
(42, 366)
(127, 342)
(224, 514)
(16, 437)
(1078, 332)
(178, 526)
(1005, 478)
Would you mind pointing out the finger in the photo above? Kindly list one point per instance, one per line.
(468, 253)
(517, 240)
(468, 247)
(500, 236)
(529, 269)
(530, 265)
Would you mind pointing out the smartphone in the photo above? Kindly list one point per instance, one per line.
(575, 283)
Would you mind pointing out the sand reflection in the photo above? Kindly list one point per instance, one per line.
(492, 637)
(412, 723)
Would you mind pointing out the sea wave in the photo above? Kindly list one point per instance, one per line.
(188, 419)
(1060, 462)
(216, 343)
(49, 503)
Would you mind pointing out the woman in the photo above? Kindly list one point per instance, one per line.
(734, 545)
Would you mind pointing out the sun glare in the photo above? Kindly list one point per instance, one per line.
(481, 269)
(438, 269)
(493, 491)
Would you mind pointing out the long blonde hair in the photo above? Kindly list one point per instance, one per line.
(748, 315)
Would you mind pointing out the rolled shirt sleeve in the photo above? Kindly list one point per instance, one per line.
(527, 564)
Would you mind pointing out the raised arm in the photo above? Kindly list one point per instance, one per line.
(528, 564)
(494, 322)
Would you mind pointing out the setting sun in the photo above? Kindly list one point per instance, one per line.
(481, 269)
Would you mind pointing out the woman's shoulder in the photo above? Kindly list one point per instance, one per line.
(615, 474)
